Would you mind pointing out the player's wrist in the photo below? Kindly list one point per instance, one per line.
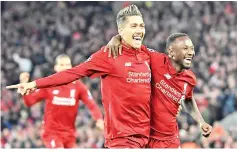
(33, 84)
(201, 123)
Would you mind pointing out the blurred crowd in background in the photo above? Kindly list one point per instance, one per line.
(34, 33)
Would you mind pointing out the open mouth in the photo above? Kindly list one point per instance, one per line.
(137, 38)
(188, 60)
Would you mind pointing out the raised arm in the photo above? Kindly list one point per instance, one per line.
(114, 46)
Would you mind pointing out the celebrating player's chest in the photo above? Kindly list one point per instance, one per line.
(168, 85)
(64, 95)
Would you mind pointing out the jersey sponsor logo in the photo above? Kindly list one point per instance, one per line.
(55, 92)
(167, 76)
(127, 64)
(185, 88)
(63, 100)
(60, 101)
(182, 99)
(169, 91)
(139, 77)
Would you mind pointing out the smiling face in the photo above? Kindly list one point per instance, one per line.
(182, 52)
(133, 31)
(131, 26)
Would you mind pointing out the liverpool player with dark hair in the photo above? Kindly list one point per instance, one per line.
(172, 85)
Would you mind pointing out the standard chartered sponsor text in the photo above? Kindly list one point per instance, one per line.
(171, 89)
(168, 90)
(138, 80)
(139, 74)
(139, 77)
(63, 101)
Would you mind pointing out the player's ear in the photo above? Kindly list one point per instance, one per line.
(120, 31)
(170, 52)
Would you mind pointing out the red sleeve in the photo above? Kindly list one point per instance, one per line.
(96, 65)
(88, 100)
(190, 94)
(34, 97)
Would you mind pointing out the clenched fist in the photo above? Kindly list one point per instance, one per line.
(206, 129)
(100, 124)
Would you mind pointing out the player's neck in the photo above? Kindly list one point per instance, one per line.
(176, 66)
(129, 46)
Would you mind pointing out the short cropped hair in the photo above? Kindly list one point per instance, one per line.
(131, 10)
(173, 37)
(60, 57)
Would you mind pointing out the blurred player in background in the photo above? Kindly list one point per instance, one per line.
(61, 108)
(172, 85)
(125, 84)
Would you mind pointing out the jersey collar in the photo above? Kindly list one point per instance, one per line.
(129, 49)
(171, 69)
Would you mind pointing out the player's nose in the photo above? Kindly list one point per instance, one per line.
(191, 53)
(139, 33)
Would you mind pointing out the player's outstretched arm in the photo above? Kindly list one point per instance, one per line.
(191, 107)
(114, 46)
(23, 88)
(57, 79)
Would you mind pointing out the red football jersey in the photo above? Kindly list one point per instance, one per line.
(125, 87)
(62, 105)
(169, 88)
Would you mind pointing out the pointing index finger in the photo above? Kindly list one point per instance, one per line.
(13, 86)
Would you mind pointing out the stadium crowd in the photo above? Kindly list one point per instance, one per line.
(34, 33)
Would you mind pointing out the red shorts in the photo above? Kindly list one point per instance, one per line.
(155, 143)
(53, 140)
(127, 142)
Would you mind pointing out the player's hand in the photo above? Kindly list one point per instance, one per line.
(100, 124)
(179, 110)
(23, 88)
(114, 46)
(24, 77)
(206, 129)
